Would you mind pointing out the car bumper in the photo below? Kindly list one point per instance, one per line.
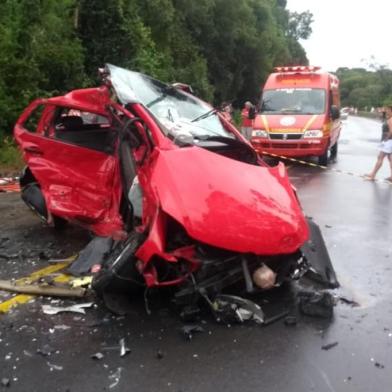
(291, 148)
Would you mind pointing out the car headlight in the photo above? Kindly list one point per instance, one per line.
(313, 133)
(259, 133)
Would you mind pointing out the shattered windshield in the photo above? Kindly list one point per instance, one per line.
(293, 101)
(183, 116)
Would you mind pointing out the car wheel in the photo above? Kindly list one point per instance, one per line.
(334, 151)
(119, 272)
(323, 159)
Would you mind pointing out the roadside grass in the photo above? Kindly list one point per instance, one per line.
(11, 162)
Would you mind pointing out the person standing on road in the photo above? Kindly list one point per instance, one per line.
(248, 115)
(384, 126)
(385, 148)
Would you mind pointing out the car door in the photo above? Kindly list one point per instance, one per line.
(78, 176)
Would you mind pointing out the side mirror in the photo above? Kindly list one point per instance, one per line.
(335, 112)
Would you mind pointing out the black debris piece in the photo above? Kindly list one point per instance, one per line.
(92, 254)
(46, 350)
(190, 329)
(317, 256)
(328, 346)
(290, 321)
(379, 365)
(5, 382)
(98, 356)
(276, 317)
(42, 256)
(231, 308)
(349, 301)
(160, 354)
(316, 304)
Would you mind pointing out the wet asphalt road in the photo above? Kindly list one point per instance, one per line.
(355, 219)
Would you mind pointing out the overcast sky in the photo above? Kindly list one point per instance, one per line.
(347, 31)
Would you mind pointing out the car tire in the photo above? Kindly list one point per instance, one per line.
(108, 278)
(334, 151)
(33, 197)
(323, 159)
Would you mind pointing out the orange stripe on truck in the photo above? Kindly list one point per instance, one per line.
(309, 123)
(265, 123)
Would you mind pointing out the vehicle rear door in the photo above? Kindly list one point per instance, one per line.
(71, 155)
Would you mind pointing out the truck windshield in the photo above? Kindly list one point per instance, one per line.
(293, 101)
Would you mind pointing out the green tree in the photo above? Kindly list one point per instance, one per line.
(224, 48)
(299, 25)
(39, 53)
(363, 87)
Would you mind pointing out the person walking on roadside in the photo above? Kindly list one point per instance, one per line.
(385, 148)
(248, 115)
(384, 125)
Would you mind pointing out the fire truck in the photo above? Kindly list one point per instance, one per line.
(299, 114)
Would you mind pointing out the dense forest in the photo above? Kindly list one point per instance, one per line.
(365, 88)
(223, 48)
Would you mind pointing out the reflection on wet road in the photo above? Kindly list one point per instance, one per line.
(355, 213)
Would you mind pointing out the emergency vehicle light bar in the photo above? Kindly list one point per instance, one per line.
(299, 68)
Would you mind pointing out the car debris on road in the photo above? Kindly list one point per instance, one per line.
(76, 308)
(98, 356)
(42, 289)
(189, 330)
(327, 347)
(124, 350)
(5, 382)
(317, 304)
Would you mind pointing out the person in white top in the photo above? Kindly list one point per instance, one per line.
(385, 148)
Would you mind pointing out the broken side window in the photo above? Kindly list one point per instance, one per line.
(85, 129)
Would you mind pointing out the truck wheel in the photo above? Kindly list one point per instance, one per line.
(323, 159)
(334, 151)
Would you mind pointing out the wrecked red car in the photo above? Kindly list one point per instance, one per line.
(173, 193)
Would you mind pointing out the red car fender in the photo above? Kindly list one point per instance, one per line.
(154, 245)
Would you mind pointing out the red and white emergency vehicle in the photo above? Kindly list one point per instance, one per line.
(299, 114)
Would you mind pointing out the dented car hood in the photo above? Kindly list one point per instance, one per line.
(229, 204)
